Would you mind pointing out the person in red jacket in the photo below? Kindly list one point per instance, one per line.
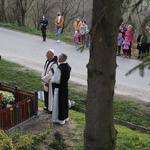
(130, 35)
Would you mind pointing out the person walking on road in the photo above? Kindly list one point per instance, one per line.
(60, 78)
(47, 73)
(43, 25)
(59, 20)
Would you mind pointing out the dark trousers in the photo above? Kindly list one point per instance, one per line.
(119, 49)
(129, 51)
(142, 50)
(147, 49)
(46, 99)
(44, 34)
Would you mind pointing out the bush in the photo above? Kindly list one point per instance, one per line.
(5, 141)
(25, 142)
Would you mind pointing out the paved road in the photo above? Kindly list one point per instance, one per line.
(29, 50)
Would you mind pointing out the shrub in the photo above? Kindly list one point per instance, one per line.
(5, 141)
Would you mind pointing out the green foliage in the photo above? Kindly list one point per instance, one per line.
(19, 141)
(15, 74)
(25, 141)
(41, 137)
(15, 135)
(76, 93)
(5, 141)
(127, 139)
(132, 112)
(77, 133)
(58, 142)
(77, 117)
(131, 140)
(41, 104)
(127, 110)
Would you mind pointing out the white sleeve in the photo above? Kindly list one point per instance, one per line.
(49, 75)
(56, 77)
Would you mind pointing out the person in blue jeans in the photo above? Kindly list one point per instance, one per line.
(59, 20)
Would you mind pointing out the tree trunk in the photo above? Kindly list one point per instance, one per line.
(100, 133)
(3, 16)
(23, 18)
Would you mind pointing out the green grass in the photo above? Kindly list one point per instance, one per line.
(127, 139)
(126, 110)
(133, 112)
(22, 77)
(34, 31)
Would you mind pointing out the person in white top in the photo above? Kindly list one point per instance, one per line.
(83, 30)
(47, 73)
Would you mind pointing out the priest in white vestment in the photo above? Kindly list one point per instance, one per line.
(60, 78)
(47, 73)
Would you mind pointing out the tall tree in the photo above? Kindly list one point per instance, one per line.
(100, 133)
(22, 7)
(2, 11)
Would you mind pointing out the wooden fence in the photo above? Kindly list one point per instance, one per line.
(24, 107)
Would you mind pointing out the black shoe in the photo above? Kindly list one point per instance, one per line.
(49, 112)
(45, 108)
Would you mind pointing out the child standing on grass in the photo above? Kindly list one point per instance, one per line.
(120, 41)
(76, 38)
(126, 46)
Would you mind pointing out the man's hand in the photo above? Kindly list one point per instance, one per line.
(46, 84)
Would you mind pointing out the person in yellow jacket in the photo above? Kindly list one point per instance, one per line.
(59, 20)
(77, 25)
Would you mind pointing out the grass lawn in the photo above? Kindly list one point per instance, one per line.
(134, 112)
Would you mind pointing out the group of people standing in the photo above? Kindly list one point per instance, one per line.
(55, 76)
(126, 37)
(81, 35)
(143, 43)
(59, 20)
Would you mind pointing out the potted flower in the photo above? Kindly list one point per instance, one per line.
(6, 98)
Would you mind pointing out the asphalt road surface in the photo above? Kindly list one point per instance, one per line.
(30, 51)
